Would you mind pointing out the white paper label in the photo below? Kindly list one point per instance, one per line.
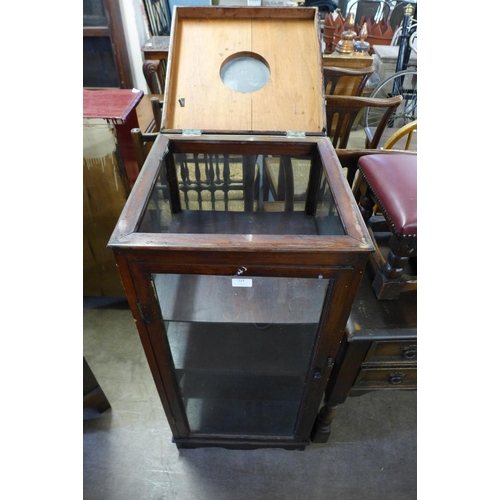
(242, 282)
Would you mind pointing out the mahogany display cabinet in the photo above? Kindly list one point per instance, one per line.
(241, 252)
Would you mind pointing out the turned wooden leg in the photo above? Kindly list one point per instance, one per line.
(389, 282)
(366, 205)
(157, 111)
(344, 373)
(323, 425)
(248, 181)
(286, 183)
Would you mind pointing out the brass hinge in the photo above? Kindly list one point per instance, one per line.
(145, 314)
(191, 132)
(295, 134)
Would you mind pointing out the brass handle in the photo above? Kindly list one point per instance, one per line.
(409, 352)
(396, 378)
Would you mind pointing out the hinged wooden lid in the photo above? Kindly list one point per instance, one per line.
(204, 39)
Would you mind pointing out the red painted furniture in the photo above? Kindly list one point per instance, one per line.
(118, 108)
(109, 172)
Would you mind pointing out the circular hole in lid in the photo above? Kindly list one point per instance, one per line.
(245, 72)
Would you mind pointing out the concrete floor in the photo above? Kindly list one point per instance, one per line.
(128, 452)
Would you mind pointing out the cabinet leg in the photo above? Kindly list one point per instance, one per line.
(93, 395)
(97, 399)
(322, 427)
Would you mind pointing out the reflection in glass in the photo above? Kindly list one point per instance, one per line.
(245, 74)
(94, 13)
(99, 67)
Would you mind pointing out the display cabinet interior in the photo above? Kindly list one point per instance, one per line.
(258, 189)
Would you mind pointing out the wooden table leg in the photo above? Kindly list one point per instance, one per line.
(342, 378)
(93, 395)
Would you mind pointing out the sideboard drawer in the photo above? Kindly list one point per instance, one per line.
(386, 378)
(404, 351)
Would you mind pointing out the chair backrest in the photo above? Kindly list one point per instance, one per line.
(405, 131)
(157, 107)
(204, 177)
(342, 111)
(142, 144)
(143, 141)
(354, 79)
(154, 73)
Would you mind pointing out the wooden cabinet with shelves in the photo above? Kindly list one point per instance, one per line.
(240, 289)
(240, 329)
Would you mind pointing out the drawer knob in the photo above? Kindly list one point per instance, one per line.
(396, 378)
(409, 351)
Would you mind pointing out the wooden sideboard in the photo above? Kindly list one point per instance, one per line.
(378, 352)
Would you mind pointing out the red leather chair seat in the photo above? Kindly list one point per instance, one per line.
(393, 181)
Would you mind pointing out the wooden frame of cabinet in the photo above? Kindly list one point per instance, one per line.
(338, 260)
(252, 281)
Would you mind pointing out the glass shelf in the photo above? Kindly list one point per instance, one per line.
(241, 404)
(217, 347)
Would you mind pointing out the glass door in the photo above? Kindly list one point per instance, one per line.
(241, 348)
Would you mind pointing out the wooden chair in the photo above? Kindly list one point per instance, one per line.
(157, 107)
(389, 181)
(341, 113)
(204, 178)
(282, 185)
(147, 108)
(143, 140)
(352, 79)
(154, 72)
(405, 131)
(336, 81)
(142, 144)
(209, 176)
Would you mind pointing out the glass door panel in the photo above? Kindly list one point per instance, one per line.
(241, 348)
